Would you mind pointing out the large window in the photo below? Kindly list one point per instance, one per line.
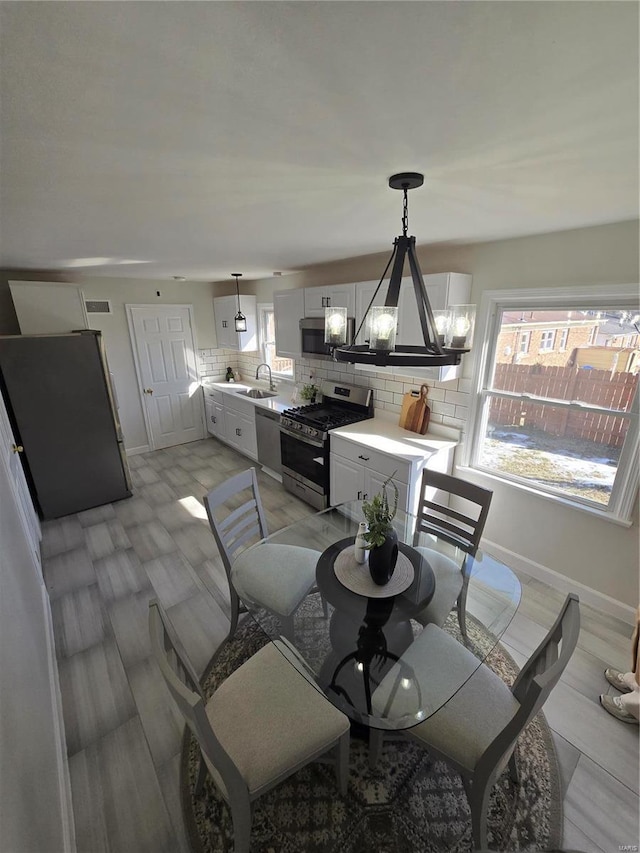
(267, 330)
(564, 424)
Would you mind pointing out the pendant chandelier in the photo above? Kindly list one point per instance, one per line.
(240, 320)
(447, 334)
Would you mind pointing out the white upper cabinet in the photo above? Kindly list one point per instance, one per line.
(364, 294)
(48, 307)
(225, 309)
(443, 290)
(288, 310)
(316, 299)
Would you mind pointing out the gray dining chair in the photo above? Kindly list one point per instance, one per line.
(461, 526)
(476, 730)
(262, 724)
(276, 577)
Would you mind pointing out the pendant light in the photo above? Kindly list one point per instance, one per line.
(240, 319)
(447, 334)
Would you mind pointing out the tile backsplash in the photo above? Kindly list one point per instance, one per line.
(449, 401)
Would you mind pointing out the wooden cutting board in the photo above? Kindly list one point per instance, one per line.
(415, 413)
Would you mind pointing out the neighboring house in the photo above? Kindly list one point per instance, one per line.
(569, 339)
(543, 337)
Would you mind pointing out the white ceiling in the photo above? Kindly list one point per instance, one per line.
(156, 139)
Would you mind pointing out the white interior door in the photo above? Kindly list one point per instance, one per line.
(10, 458)
(164, 348)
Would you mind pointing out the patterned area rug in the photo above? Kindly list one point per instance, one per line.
(409, 804)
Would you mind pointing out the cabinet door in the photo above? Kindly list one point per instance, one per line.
(346, 480)
(342, 296)
(233, 428)
(209, 416)
(223, 309)
(373, 483)
(217, 421)
(288, 310)
(443, 289)
(248, 442)
(315, 301)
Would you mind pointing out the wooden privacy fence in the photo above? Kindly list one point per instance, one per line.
(593, 387)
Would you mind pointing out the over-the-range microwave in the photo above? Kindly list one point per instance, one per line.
(312, 335)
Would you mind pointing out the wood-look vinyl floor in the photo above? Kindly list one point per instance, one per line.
(123, 735)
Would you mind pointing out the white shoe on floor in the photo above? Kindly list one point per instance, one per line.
(616, 678)
(613, 704)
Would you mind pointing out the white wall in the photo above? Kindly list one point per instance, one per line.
(115, 330)
(32, 789)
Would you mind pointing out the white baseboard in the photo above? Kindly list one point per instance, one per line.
(272, 473)
(64, 779)
(134, 451)
(588, 595)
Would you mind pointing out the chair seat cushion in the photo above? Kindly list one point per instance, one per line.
(274, 576)
(270, 719)
(448, 578)
(474, 702)
(476, 712)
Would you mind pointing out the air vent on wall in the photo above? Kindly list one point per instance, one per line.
(98, 306)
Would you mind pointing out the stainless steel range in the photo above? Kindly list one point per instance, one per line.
(304, 438)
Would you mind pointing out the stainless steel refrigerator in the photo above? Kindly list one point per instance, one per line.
(60, 401)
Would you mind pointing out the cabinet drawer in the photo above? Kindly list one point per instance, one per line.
(379, 462)
(212, 394)
(239, 404)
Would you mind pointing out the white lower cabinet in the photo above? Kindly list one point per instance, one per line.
(358, 473)
(214, 413)
(240, 431)
(232, 420)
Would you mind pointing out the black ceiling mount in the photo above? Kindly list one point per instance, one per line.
(406, 181)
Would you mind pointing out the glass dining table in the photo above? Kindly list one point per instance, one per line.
(359, 643)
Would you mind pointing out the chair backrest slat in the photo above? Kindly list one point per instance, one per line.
(440, 519)
(242, 523)
(189, 698)
(535, 682)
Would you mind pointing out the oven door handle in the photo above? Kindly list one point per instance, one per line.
(302, 438)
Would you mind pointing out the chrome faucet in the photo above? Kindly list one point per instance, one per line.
(272, 386)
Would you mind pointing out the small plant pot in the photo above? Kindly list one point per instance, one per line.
(383, 559)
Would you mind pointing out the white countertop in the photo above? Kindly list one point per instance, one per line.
(380, 433)
(279, 403)
(384, 435)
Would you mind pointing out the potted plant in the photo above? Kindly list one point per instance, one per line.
(308, 392)
(381, 538)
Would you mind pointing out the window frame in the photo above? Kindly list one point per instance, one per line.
(493, 303)
(262, 308)
(525, 341)
(564, 337)
(547, 336)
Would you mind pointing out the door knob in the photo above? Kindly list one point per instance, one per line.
(17, 448)
(148, 390)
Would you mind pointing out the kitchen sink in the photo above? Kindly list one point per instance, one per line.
(257, 393)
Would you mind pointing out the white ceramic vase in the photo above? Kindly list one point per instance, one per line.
(360, 553)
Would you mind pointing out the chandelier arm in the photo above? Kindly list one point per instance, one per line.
(364, 316)
(393, 294)
(427, 320)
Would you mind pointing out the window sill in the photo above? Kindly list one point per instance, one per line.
(556, 499)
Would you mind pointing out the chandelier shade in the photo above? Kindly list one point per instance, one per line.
(335, 326)
(447, 334)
